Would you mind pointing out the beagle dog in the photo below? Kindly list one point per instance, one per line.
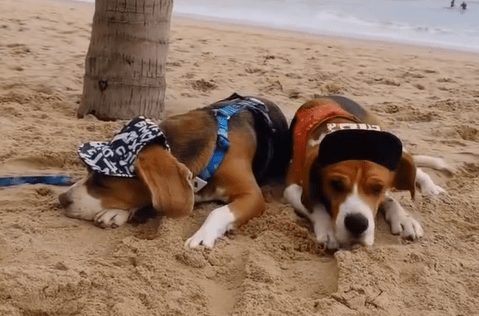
(342, 169)
(221, 152)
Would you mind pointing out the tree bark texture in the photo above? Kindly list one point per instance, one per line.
(125, 63)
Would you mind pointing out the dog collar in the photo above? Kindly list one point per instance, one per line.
(117, 157)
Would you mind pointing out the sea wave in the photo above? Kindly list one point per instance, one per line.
(420, 21)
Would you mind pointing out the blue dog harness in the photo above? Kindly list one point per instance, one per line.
(223, 114)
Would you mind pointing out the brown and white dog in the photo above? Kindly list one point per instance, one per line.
(164, 177)
(342, 169)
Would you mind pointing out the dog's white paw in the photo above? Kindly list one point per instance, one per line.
(202, 237)
(111, 218)
(426, 185)
(324, 231)
(406, 226)
(217, 223)
(432, 190)
(400, 221)
(327, 239)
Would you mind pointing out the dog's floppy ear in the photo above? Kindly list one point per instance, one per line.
(311, 184)
(405, 178)
(168, 179)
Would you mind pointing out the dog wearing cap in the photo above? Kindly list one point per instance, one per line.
(342, 168)
(221, 152)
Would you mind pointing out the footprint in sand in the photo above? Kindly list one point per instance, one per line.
(468, 132)
(204, 86)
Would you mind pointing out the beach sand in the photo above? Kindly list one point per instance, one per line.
(54, 265)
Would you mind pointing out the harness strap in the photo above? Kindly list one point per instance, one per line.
(223, 115)
(222, 142)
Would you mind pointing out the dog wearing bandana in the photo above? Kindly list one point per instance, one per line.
(342, 169)
(222, 152)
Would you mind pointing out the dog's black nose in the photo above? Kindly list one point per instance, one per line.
(65, 200)
(356, 224)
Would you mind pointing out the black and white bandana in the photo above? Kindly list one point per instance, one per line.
(117, 157)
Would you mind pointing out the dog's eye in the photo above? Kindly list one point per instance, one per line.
(97, 180)
(337, 185)
(376, 189)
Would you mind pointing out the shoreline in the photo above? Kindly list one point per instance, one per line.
(311, 34)
(307, 34)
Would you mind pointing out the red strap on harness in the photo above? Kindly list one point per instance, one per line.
(306, 120)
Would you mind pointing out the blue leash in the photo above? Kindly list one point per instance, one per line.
(47, 179)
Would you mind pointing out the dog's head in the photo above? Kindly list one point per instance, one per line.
(351, 174)
(161, 181)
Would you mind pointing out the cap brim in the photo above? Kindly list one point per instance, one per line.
(377, 146)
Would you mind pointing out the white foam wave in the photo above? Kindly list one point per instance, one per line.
(420, 21)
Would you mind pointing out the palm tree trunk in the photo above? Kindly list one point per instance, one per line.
(125, 63)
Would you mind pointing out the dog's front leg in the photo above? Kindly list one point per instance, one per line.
(426, 184)
(218, 222)
(323, 229)
(401, 222)
(227, 217)
(319, 217)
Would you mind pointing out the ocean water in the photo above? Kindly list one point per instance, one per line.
(424, 22)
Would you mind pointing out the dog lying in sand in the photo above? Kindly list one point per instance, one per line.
(342, 169)
(220, 152)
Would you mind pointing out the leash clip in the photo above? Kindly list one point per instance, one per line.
(198, 184)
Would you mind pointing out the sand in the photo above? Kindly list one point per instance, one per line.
(54, 265)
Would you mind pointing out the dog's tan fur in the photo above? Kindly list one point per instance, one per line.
(357, 188)
(164, 177)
